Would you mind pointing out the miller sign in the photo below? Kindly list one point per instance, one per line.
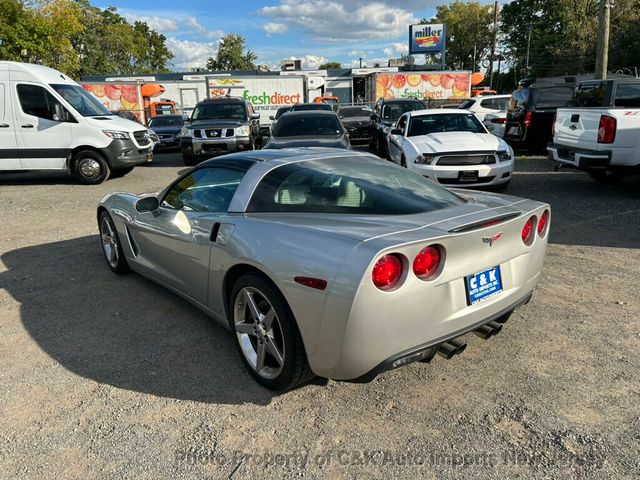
(427, 38)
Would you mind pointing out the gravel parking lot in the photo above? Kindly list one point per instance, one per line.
(114, 377)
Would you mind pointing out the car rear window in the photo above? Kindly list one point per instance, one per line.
(495, 103)
(519, 100)
(589, 95)
(628, 95)
(349, 185)
(292, 125)
(553, 97)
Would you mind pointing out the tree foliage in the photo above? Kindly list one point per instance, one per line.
(79, 39)
(232, 56)
(330, 66)
(469, 32)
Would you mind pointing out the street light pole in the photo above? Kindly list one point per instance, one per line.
(493, 43)
(602, 52)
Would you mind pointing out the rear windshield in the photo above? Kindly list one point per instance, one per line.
(628, 95)
(495, 103)
(393, 111)
(519, 100)
(311, 106)
(452, 122)
(553, 97)
(349, 185)
(293, 125)
(589, 95)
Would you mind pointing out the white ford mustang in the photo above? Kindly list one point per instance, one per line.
(452, 147)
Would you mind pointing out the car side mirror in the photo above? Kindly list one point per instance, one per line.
(396, 131)
(147, 204)
(271, 117)
(341, 116)
(255, 116)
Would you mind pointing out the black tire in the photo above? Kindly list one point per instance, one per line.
(89, 167)
(189, 160)
(112, 247)
(285, 336)
(120, 172)
(606, 177)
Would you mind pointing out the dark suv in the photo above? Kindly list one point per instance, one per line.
(531, 111)
(218, 126)
(386, 114)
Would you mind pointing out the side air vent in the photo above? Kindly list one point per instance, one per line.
(132, 242)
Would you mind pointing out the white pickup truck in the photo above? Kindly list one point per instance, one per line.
(600, 132)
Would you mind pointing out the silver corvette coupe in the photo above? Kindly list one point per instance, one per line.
(330, 262)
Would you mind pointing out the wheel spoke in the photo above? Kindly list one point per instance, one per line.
(262, 351)
(247, 328)
(106, 238)
(253, 308)
(274, 352)
(268, 318)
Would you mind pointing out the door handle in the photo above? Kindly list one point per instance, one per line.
(4, 125)
(28, 125)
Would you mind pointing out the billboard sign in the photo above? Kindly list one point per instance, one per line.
(427, 38)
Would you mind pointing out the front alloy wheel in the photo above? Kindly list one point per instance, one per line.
(111, 246)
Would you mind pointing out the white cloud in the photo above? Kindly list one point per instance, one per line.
(274, 28)
(332, 21)
(397, 49)
(309, 61)
(191, 54)
(158, 24)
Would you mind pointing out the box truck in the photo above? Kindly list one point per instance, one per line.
(419, 85)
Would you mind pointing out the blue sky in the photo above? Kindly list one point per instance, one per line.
(312, 30)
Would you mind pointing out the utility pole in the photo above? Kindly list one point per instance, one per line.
(528, 48)
(493, 43)
(360, 61)
(602, 52)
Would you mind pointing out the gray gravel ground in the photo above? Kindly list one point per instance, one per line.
(113, 377)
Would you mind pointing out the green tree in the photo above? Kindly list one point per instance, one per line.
(469, 32)
(232, 56)
(330, 66)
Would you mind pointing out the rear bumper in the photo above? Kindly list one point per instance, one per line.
(580, 158)
(428, 350)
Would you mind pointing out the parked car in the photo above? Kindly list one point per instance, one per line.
(218, 126)
(387, 113)
(49, 122)
(600, 132)
(486, 104)
(495, 123)
(452, 147)
(308, 129)
(279, 113)
(357, 121)
(531, 112)
(330, 262)
(168, 128)
(298, 107)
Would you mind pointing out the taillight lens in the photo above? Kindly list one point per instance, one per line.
(499, 120)
(527, 230)
(387, 272)
(542, 223)
(426, 263)
(527, 119)
(607, 129)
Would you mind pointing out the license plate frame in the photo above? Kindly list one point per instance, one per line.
(468, 176)
(479, 288)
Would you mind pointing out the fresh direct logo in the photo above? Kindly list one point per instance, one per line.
(275, 99)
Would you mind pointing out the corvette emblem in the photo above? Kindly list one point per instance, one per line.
(492, 240)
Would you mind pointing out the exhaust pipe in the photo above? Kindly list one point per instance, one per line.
(451, 348)
(488, 330)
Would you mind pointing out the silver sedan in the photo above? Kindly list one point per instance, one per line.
(330, 262)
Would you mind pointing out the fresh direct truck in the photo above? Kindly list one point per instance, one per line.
(49, 122)
(600, 132)
(418, 85)
(267, 93)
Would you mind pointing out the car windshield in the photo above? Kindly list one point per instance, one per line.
(299, 125)
(84, 102)
(351, 185)
(393, 111)
(211, 111)
(166, 122)
(310, 106)
(355, 112)
(444, 122)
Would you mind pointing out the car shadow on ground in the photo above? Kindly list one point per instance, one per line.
(124, 331)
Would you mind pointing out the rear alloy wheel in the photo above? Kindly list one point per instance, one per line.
(606, 177)
(266, 335)
(90, 168)
(111, 246)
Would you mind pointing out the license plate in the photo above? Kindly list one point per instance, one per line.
(483, 285)
(468, 176)
(149, 155)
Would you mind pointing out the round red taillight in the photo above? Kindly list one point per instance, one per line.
(426, 262)
(387, 271)
(527, 230)
(542, 223)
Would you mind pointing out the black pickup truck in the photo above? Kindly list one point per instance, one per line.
(218, 126)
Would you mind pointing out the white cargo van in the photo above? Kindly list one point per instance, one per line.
(49, 122)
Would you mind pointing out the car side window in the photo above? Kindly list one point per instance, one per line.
(37, 101)
(204, 190)
(489, 104)
(402, 123)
